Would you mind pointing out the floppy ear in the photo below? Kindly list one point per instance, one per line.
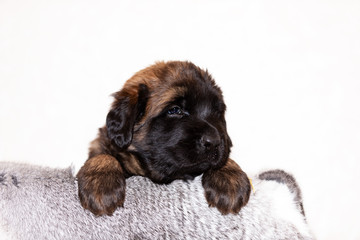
(128, 107)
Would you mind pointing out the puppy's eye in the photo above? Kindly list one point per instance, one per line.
(175, 111)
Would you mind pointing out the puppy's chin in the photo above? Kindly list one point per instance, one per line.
(183, 167)
(184, 174)
(217, 158)
(212, 158)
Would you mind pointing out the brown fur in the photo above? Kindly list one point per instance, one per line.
(102, 174)
(224, 188)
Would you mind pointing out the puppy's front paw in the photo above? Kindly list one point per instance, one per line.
(101, 185)
(228, 188)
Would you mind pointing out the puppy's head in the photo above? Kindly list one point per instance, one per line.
(170, 117)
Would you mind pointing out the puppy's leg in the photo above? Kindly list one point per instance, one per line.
(101, 184)
(228, 188)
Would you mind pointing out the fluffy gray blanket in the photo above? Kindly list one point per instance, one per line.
(42, 203)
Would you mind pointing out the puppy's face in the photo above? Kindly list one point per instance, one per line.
(170, 116)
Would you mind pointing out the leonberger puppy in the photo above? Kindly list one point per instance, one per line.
(166, 123)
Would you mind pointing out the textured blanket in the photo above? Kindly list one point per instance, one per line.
(42, 203)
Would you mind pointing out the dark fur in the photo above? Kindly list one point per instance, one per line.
(166, 123)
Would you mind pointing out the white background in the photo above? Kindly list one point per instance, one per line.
(289, 71)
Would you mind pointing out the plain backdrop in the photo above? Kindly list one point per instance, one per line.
(289, 71)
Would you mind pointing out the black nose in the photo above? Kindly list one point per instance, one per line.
(210, 141)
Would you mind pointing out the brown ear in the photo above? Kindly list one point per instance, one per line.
(127, 109)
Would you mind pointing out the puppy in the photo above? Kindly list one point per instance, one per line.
(166, 123)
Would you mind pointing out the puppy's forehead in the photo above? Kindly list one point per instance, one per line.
(162, 97)
(168, 81)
